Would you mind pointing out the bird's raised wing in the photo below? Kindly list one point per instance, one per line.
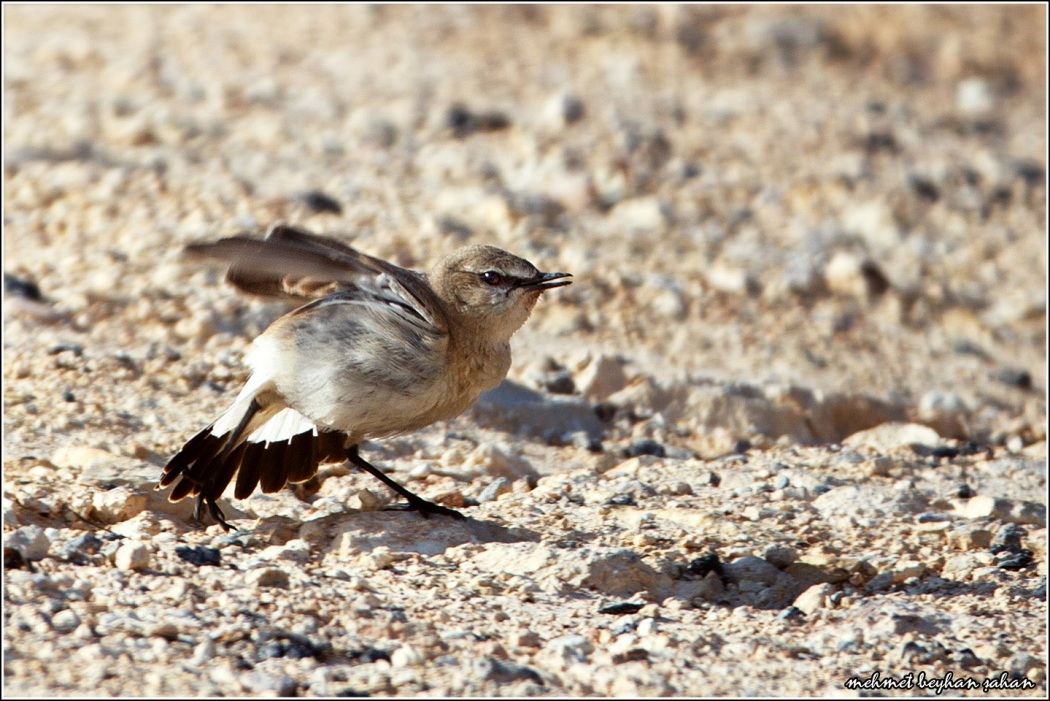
(297, 264)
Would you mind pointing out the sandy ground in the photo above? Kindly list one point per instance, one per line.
(787, 428)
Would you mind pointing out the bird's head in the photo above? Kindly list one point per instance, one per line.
(491, 290)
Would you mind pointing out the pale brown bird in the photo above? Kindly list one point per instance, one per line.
(380, 351)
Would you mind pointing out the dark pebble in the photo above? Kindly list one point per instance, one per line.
(1031, 172)
(940, 452)
(369, 655)
(63, 347)
(19, 287)
(581, 440)
(792, 614)
(493, 670)
(463, 122)
(319, 202)
(646, 447)
(966, 658)
(635, 654)
(701, 566)
(1008, 538)
(68, 396)
(559, 382)
(1018, 561)
(622, 500)
(924, 189)
(289, 645)
(605, 412)
(13, 560)
(199, 555)
(968, 348)
(877, 141)
(621, 608)
(82, 549)
(1013, 377)
(965, 491)
(572, 109)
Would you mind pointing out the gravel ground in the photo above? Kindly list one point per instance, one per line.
(786, 430)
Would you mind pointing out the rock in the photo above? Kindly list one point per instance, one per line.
(118, 504)
(640, 215)
(574, 647)
(832, 417)
(265, 684)
(199, 555)
(612, 571)
(750, 569)
(292, 551)
(65, 621)
(814, 598)
(498, 460)
(890, 438)
(730, 279)
(874, 222)
(1009, 537)
(780, 556)
(516, 409)
(493, 670)
(82, 549)
(406, 656)
(868, 506)
(80, 457)
(601, 377)
(670, 303)
(974, 96)
(967, 536)
(737, 410)
(983, 506)
(854, 276)
(562, 110)
(263, 577)
(29, 541)
(132, 556)
(496, 489)
(1036, 542)
(364, 500)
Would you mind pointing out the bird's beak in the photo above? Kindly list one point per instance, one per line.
(547, 281)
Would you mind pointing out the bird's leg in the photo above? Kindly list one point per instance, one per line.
(213, 509)
(415, 503)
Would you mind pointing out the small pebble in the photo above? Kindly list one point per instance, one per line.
(30, 541)
(132, 556)
(264, 577)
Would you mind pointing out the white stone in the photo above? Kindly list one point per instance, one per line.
(132, 556)
(30, 541)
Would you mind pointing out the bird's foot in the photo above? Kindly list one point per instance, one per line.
(424, 507)
(213, 509)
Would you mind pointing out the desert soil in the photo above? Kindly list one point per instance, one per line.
(786, 429)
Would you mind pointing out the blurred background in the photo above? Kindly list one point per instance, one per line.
(845, 199)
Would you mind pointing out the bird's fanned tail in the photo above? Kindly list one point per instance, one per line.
(208, 463)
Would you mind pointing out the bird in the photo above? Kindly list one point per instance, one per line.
(376, 351)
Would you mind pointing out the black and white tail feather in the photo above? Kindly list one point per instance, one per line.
(266, 449)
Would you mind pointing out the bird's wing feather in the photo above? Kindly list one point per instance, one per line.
(294, 263)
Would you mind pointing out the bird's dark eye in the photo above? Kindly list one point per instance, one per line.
(491, 277)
